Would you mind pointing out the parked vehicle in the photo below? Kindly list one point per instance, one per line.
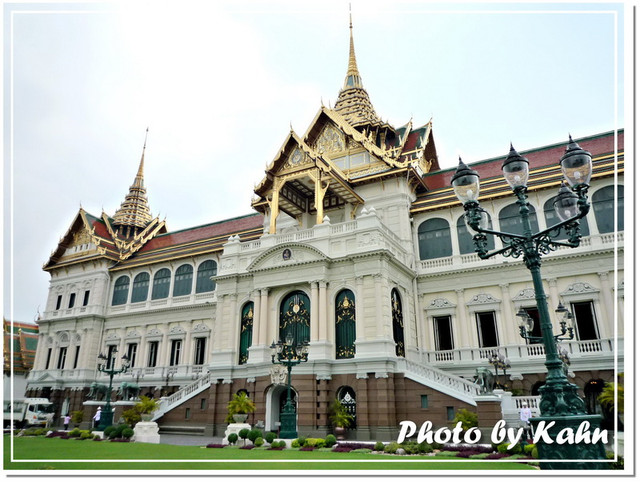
(28, 412)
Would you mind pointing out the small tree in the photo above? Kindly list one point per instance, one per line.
(140, 410)
(608, 395)
(338, 415)
(232, 438)
(468, 418)
(254, 434)
(243, 434)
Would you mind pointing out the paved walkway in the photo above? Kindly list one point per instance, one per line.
(178, 439)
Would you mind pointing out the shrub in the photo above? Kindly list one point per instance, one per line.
(302, 440)
(86, 435)
(76, 416)
(391, 448)
(131, 416)
(74, 433)
(615, 465)
(243, 434)
(314, 442)
(270, 437)
(232, 438)
(295, 444)
(259, 442)
(378, 447)
(534, 452)
(468, 418)
(529, 448)
(254, 434)
(425, 448)
(127, 432)
(410, 448)
(436, 446)
(330, 440)
(361, 451)
(97, 438)
(502, 448)
(239, 404)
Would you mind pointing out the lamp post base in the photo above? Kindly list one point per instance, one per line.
(575, 442)
(288, 425)
(106, 418)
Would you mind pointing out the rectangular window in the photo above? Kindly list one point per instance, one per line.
(111, 354)
(487, 330)
(203, 404)
(46, 367)
(443, 334)
(199, 351)
(85, 300)
(152, 359)
(451, 413)
(76, 357)
(187, 413)
(72, 300)
(58, 302)
(176, 348)
(585, 319)
(62, 357)
(132, 350)
(424, 401)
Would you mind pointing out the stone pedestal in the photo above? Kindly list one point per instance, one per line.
(234, 428)
(146, 432)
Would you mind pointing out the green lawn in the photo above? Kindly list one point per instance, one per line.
(42, 453)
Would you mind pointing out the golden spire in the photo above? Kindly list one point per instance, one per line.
(134, 212)
(353, 78)
(353, 101)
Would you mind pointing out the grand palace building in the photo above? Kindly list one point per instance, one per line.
(356, 244)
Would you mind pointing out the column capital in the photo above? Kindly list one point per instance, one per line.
(553, 282)
(323, 283)
(603, 275)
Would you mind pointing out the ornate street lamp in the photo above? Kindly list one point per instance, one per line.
(500, 362)
(560, 402)
(106, 417)
(289, 355)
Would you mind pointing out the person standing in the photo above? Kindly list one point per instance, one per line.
(67, 420)
(96, 418)
(525, 415)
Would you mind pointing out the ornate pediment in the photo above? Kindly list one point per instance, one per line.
(483, 299)
(286, 255)
(439, 303)
(330, 141)
(579, 288)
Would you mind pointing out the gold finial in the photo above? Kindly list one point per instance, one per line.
(141, 168)
(353, 76)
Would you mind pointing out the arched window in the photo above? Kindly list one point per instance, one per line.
(345, 324)
(161, 282)
(465, 239)
(434, 239)
(347, 398)
(551, 218)
(603, 202)
(206, 270)
(398, 321)
(246, 331)
(511, 222)
(295, 317)
(140, 288)
(183, 281)
(120, 291)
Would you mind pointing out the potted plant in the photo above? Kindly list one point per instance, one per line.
(145, 408)
(239, 407)
(340, 418)
(76, 417)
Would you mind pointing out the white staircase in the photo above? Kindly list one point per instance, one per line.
(440, 380)
(182, 395)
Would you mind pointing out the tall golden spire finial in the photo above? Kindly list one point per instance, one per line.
(353, 79)
(139, 176)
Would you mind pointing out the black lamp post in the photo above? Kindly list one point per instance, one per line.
(289, 355)
(560, 402)
(106, 417)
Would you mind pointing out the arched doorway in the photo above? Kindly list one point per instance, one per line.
(276, 398)
(347, 397)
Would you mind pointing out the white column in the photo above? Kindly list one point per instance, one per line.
(508, 326)
(322, 311)
(264, 315)
(315, 312)
(359, 309)
(605, 327)
(463, 325)
(377, 279)
(255, 297)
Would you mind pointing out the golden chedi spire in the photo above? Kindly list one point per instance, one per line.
(134, 212)
(353, 101)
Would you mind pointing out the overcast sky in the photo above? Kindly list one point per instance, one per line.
(220, 83)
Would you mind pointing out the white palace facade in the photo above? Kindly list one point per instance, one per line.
(357, 244)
